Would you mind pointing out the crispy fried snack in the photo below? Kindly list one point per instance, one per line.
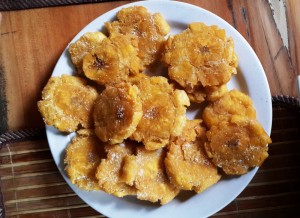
(213, 93)
(83, 46)
(200, 56)
(237, 145)
(146, 172)
(110, 170)
(231, 103)
(196, 94)
(67, 103)
(187, 164)
(163, 111)
(82, 158)
(143, 28)
(112, 61)
(210, 93)
(117, 112)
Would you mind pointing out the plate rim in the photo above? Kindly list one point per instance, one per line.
(50, 131)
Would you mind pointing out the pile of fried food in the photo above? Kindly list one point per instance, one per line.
(133, 138)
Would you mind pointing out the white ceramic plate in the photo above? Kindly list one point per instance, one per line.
(251, 79)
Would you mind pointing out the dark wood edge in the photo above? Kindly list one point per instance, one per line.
(286, 101)
(2, 210)
(12, 5)
(22, 135)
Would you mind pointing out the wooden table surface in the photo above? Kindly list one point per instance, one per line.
(31, 42)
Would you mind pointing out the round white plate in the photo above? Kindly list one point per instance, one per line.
(250, 79)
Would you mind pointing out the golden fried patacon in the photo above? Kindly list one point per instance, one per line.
(67, 103)
(196, 94)
(112, 61)
(82, 158)
(163, 111)
(187, 164)
(82, 46)
(213, 93)
(146, 172)
(231, 103)
(237, 145)
(117, 112)
(210, 93)
(109, 171)
(146, 30)
(200, 56)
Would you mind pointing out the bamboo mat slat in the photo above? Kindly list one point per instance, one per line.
(32, 186)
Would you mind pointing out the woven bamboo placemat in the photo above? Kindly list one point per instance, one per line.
(10, 5)
(32, 186)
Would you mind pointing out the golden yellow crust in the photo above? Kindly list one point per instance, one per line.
(67, 103)
(231, 103)
(109, 170)
(146, 172)
(237, 145)
(146, 30)
(82, 158)
(163, 111)
(82, 46)
(199, 94)
(200, 56)
(196, 94)
(213, 93)
(187, 164)
(112, 61)
(117, 112)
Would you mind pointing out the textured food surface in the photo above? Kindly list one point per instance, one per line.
(187, 163)
(109, 171)
(146, 172)
(164, 111)
(83, 46)
(145, 29)
(82, 158)
(67, 103)
(112, 61)
(201, 56)
(231, 103)
(117, 113)
(237, 145)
